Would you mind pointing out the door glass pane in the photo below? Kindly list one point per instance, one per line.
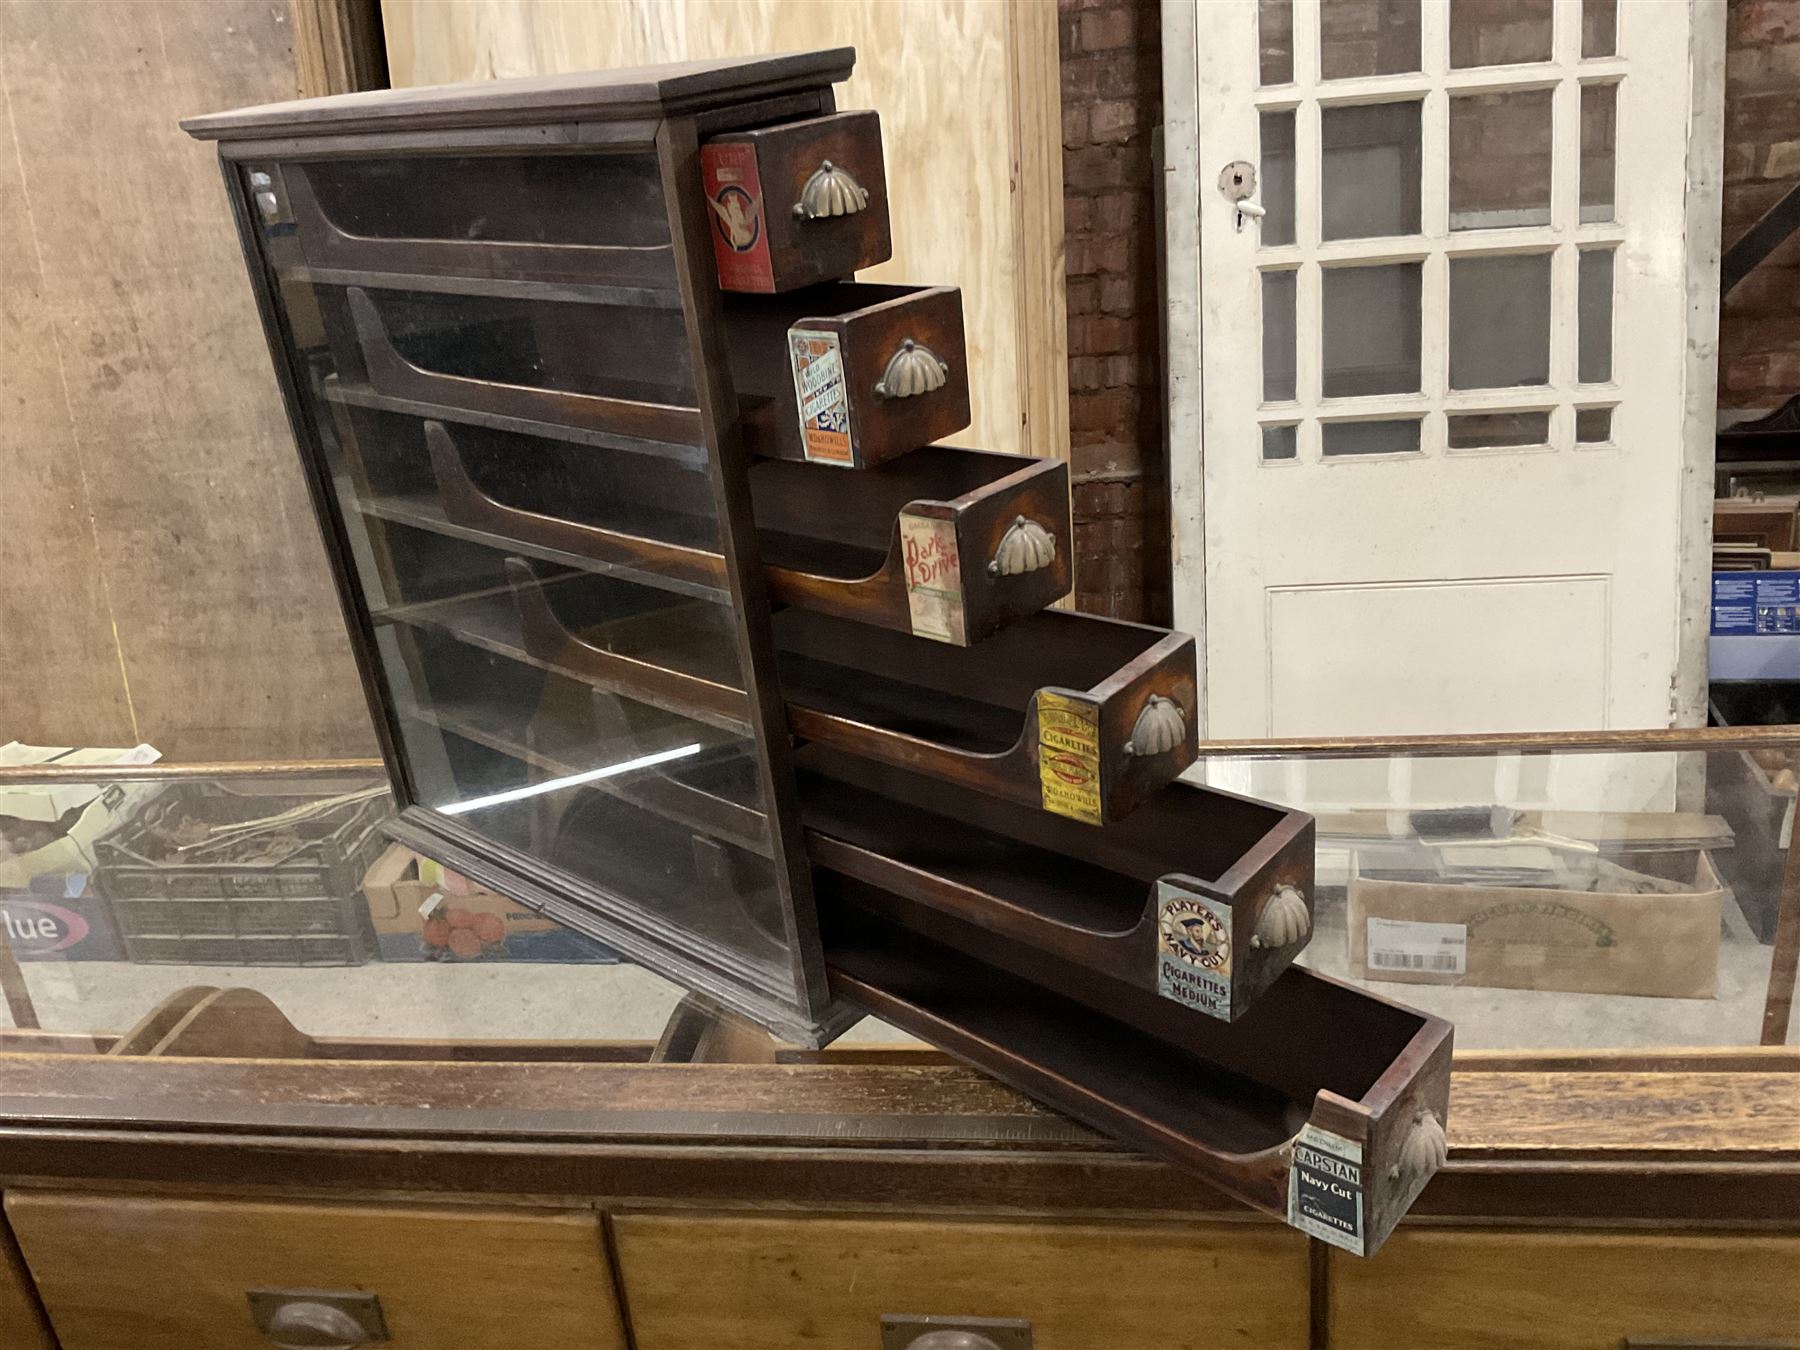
(1369, 170)
(1500, 32)
(1371, 323)
(1599, 130)
(1593, 312)
(1499, 321)
(1397, 437)
(1367, 37)
(1280, 442)
(1593, 425)
(1277, 187)
(1278, 336)
(1599, 27)
(1492, 430)
(1275, 37)
(1500, 160)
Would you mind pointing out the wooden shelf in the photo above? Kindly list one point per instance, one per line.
(680, 672)
(1084, 716)
(1094, 897)
(1225, 1100)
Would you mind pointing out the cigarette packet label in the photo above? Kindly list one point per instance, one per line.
(1069, 756)
(740, 232)
(1193, 950)
(1325, 1188)
(934, 593)
(823, 397)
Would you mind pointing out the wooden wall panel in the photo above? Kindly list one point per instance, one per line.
(22, 1323)
(164, 579)
(970, 101)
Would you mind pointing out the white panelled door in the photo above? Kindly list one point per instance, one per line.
(1455, 382)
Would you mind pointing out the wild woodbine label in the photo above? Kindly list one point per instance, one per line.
(934, 592)
(1193, 950)
(1325, 1188)
(1069, 756)
(822, 395)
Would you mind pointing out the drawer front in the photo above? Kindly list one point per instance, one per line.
(774, 1283)
(21, 1321)
(160, 1274)
(1438, 1289)
(797, 204)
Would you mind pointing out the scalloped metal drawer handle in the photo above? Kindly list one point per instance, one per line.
(831, 191)
(1284, 920)
(913, 370)
(1423, 1151)
(1025, 547)
(1160, 727)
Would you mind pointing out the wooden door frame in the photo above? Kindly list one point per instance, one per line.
(1183, 184)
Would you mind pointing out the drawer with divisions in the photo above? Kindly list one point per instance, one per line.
(945, 543)
(894, 377)
(789, 205)
(1199, 896)
(1082, 716)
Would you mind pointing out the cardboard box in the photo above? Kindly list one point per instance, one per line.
(1605, 929)
(425, 912)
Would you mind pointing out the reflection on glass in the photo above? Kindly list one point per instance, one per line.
(1599, 27)
(1371, 330)
(1280, 442)
(1278, 336)
(1368, 37)
(1500, 146)
(1277, 195)
(1369, 170)
(1498, 430)
(1593, 426)
(1397, 437)
(1599, 134)
(1275, 41)
(1499, 321)
(1593, 316)
(1500, 32)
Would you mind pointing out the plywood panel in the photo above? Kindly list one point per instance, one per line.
(157, 1274)
(1444, 1290)
(172, 586)
(970, 101)
(773, 1283)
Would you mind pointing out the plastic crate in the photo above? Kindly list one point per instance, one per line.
(292, 897)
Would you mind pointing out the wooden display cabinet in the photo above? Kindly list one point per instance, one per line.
(617, 548)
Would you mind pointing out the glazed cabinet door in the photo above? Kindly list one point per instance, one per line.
(775, 1283)
(161, 1274)
(1443, 1289)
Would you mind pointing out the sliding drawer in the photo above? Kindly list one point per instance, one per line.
(889, 376)
(798, 203)
(594, 218)
(1325, 1105)
(1085, 717)
(946, 544)
(1198, 896)
(850, 374)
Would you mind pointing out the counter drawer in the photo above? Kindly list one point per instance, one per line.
(1446, 1289)
(1082, 716)
(850, 374)
(947, 544)
(798, 203)
(21, 1320)
(164, 1274)
(754, 1283)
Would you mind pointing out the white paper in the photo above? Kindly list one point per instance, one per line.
(1435, 948)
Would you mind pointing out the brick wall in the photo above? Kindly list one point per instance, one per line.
(1112, 100)
(1759, 327)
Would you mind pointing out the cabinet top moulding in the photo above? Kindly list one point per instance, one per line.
(590, 96)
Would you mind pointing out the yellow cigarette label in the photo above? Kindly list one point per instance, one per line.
(1069, 756)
